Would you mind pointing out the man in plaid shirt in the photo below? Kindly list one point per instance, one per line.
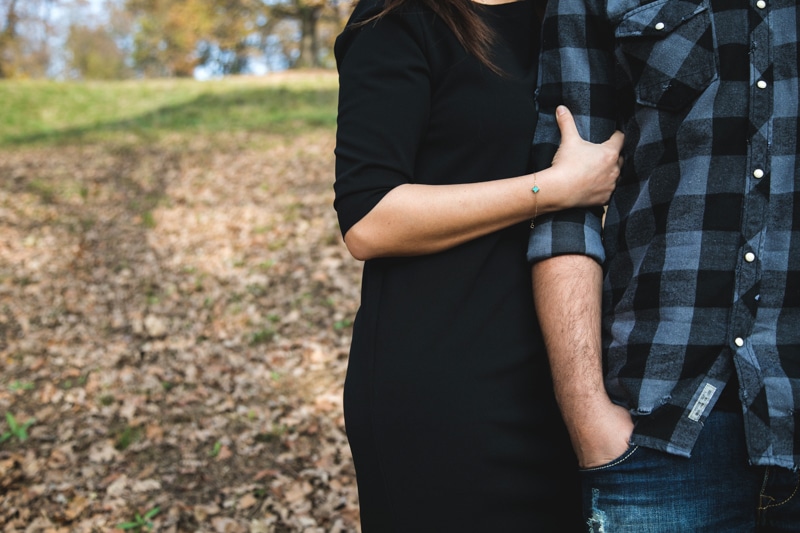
(690, 420)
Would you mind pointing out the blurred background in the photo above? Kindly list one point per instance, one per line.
(119, 39)
(176, 302)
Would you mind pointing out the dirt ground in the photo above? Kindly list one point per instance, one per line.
(174, 327)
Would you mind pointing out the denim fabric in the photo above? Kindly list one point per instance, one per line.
(714, 491)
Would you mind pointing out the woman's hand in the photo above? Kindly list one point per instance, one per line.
(587, 172)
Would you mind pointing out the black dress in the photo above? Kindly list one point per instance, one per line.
(449, 406)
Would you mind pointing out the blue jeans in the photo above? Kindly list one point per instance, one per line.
(715, 491)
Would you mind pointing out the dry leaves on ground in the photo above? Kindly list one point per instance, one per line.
(174, 327)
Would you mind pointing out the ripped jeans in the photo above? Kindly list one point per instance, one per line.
(715, 491)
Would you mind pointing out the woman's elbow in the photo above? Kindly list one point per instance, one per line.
(359, 244)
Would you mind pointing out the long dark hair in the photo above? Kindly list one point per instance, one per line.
(462, 19)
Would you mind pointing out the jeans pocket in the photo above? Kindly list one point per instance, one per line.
(667, 50)
(614, 462)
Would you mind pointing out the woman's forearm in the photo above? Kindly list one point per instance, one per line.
(414, 219)
(421, 219)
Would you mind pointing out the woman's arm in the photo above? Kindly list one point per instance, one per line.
(414, 219)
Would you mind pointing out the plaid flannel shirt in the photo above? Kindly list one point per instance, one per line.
(701, 243)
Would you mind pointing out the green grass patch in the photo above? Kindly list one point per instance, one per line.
(16, 429)
(127, 436)
(52, 112)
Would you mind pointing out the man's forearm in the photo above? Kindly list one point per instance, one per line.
(567, 290)
(567, 293)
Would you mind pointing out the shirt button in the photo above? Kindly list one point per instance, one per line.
(738, 341)
(749, 257)
(660, 25)
(761, 4)
(761, 84)
(758, 173)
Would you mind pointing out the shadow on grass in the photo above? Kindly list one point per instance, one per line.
(278, 110)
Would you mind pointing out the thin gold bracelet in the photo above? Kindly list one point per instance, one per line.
(534, 190)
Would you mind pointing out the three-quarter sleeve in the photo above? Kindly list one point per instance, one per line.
(384, 103)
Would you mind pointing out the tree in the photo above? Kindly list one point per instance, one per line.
(234, 37)
(317, 23)
(166, 36)
(173, 37)
(96, 42)
(8, 39)
(25, 37)
(94, 54)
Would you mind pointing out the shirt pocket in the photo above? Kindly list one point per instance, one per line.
(667, 49)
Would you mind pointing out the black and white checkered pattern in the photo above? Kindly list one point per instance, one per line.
(701, 244)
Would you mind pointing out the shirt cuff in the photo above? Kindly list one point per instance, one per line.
(570, 232)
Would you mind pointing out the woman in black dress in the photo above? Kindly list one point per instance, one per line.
(449, 405)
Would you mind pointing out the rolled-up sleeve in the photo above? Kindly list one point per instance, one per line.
(576, 68)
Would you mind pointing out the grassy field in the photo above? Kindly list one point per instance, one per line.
(175, 308)
(67, 112)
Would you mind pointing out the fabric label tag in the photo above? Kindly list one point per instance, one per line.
(702, 402)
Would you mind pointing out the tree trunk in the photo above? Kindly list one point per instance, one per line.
(7, 36)
(309, 42)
